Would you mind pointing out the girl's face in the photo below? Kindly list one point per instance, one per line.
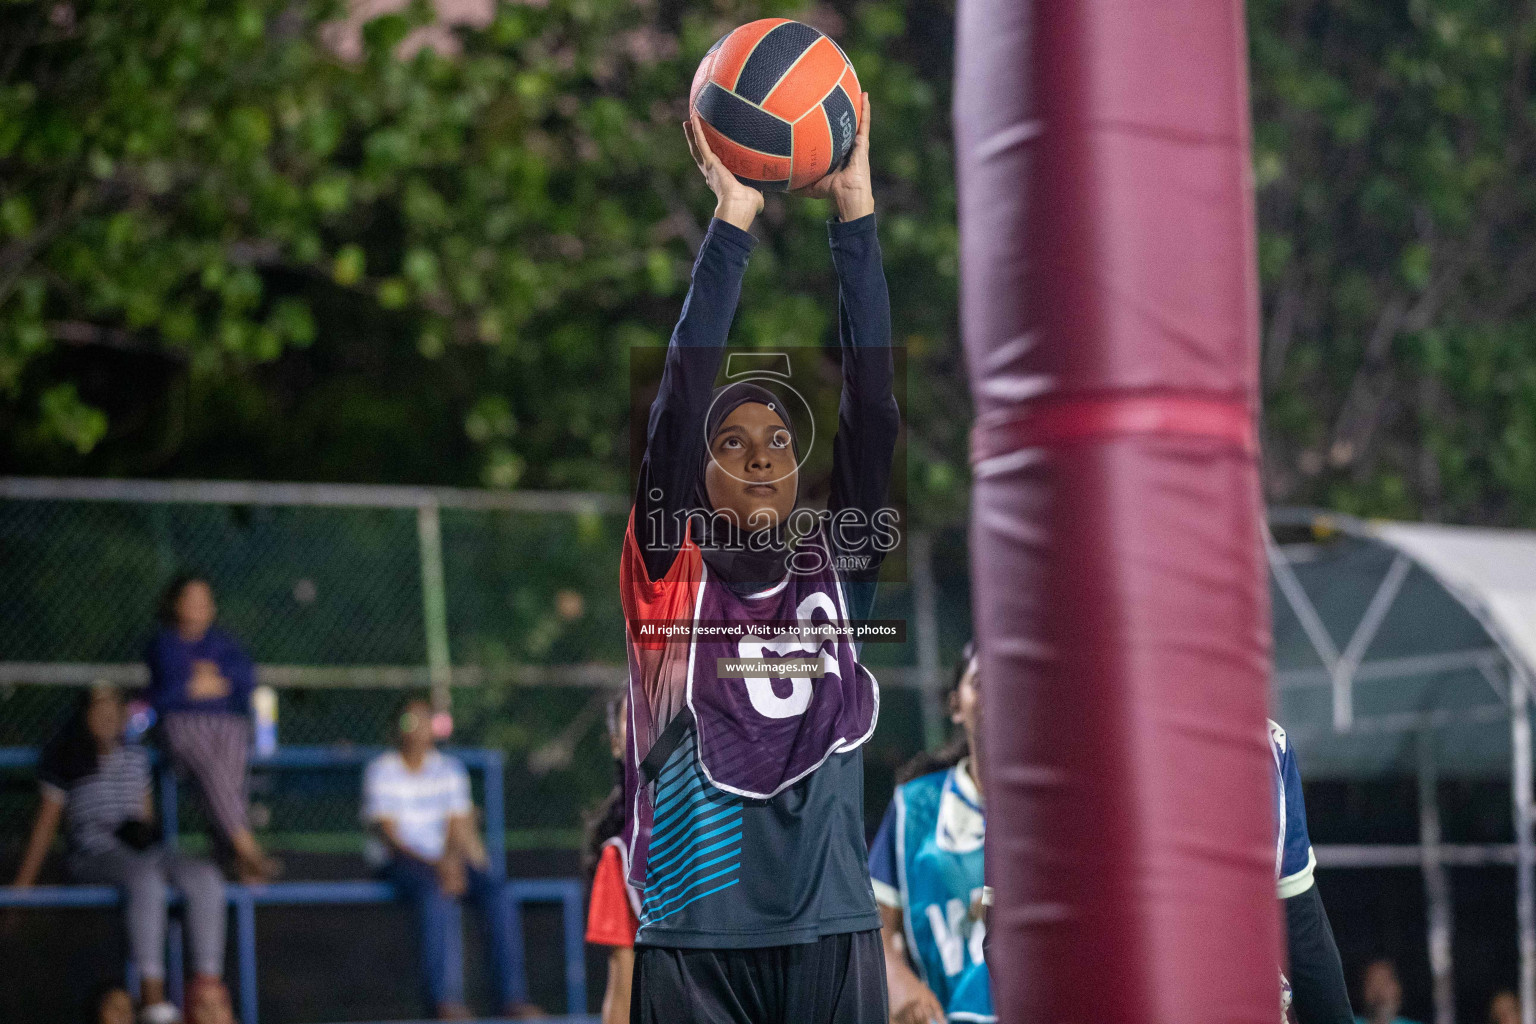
(965, 703)
(752, 475)
(104, 717)
(195, 608)
(416, 728)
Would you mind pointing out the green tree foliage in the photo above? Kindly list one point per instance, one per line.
(196, 192)
(1393, 152)
(226, 252)
(152, 158)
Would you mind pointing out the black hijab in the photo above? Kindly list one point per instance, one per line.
(724, 545)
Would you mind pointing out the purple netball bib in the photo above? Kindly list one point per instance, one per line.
(760, 731)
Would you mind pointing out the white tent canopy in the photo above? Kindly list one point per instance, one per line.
(1410, 648)
(1493, 572)
(1388, 635)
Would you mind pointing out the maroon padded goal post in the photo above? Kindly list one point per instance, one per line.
(1110, 318)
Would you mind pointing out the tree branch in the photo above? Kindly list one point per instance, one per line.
(79, 332)
(21, 42)
(1282, 327)
(1520, 66)
(1371, 386)
(16, 257)
(1354, 413)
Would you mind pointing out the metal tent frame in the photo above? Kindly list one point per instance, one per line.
(1503, 665)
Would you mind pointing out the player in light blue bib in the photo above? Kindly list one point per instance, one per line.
(1312, 984)
(926, 867)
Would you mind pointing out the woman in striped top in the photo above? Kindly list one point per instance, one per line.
(98, 787)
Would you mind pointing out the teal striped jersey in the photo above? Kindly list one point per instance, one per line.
(725, 871)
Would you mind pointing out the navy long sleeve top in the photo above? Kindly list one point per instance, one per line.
(868, 418)
(172, 661)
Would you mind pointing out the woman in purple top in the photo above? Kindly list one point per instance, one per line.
(200, 682)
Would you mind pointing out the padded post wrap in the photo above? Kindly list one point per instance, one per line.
(1110, 320)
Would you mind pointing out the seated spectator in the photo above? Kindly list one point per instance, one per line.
(1312, 983)
(925, 866)
(1504, 1008)
(200, 683)
(1381, 994)
(416, 803)
(613, 912)
(99, 787)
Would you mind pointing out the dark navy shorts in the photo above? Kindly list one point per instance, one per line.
(839, 979)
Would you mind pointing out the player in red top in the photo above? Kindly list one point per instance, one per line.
(614, 908)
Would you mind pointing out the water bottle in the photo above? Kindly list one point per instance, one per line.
(141, 718)
(264, 705)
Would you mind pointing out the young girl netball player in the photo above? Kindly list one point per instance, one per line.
(745, 789)
(926, 863)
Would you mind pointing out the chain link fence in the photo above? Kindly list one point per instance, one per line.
(351, 597)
